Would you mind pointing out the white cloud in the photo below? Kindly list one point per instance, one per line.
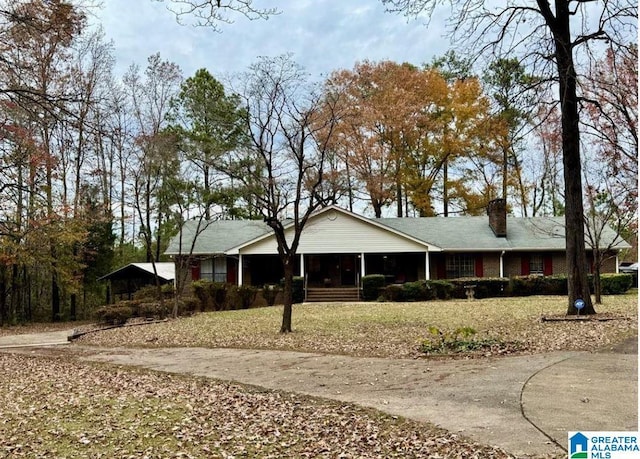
(323, 35)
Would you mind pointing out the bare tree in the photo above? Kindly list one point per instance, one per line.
(550, 37)
(212, 13)
(156, 158)
(608, 208)
(289, 124)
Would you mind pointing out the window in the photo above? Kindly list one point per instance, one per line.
(214, 269)
(220, 269)
(536, 264)
(206, 269)
(460, 265)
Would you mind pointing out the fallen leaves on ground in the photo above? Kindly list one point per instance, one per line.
(394, 330)
(57, 407)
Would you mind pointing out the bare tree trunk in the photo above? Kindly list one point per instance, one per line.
(288, 296)
(578, 287)
(445, 188)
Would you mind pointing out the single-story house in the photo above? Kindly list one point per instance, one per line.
(123, 282)
(337, 248)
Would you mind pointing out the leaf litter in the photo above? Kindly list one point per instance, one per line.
(392, 330)
(58, 407)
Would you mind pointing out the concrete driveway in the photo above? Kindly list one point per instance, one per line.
(54, 338)
(523, 404)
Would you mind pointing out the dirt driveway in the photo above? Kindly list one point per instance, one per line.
(524, 404)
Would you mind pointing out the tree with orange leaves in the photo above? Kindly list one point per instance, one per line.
(403, 127)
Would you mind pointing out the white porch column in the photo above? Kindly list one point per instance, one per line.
(617, 263)
(502, 264)
(362, 266)
(302, 265)
(427, 266)
(240, 270)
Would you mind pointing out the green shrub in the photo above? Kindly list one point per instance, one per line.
(233, 300)
(188, 305)
(485, 287)
(538, 285)
(217, 295)
(416, 291)
(393, 292)
(240, 297)
(270, 293)
(201, 289)
(441, 289)
(148, 292)
(114, 314)
(615, 284)
(372, 285)
(247, 294)
(153, 309)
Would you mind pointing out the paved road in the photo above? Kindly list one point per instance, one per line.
(524, 404)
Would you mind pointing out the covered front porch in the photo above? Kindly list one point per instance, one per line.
(336, 271)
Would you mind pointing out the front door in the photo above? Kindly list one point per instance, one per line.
(348, 270)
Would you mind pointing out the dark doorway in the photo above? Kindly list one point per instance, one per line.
(348, 269)
(333, 270)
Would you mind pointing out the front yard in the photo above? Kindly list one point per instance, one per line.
(390, 329)
(61, 407)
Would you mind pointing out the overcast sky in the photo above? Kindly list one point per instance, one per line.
(323, 35)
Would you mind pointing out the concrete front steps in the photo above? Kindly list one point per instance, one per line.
(328, 295)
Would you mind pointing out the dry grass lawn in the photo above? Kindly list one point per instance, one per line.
(389, 329)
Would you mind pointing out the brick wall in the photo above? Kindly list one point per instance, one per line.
(491, 263)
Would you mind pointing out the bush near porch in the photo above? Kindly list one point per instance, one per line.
(373, 287)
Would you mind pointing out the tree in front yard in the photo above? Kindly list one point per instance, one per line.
(555, 38)
(285, 164)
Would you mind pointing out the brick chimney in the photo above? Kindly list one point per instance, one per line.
(497, 211)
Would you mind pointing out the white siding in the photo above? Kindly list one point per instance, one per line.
(335, 232)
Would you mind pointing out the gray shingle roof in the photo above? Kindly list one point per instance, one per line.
(474, 233)
(216, 236)
(450, 234)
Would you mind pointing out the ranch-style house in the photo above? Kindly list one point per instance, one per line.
(338, 247)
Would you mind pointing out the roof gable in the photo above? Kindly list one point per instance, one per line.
(336, 230)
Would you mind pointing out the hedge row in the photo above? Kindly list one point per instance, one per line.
(119, 313)
(373, 287)
(220, 296)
